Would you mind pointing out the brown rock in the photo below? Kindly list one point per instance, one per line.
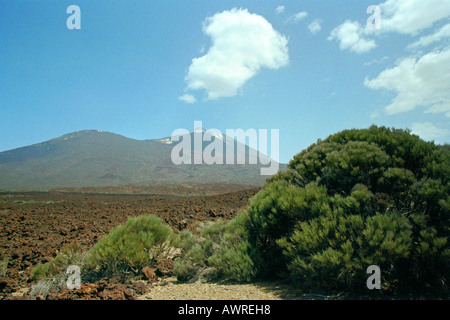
(87, 289)
(7, 285)
(116, 292)
(164, 267)
(149, 273)
(140, 288)
(212, 213)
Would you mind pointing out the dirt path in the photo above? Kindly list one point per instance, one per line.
(211, 291)
(208, 292)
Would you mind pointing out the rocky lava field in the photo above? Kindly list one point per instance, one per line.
(35, 226)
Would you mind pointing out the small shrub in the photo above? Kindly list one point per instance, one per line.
(220, 252)
(192, 260)
(231, 250)
(52, 276)
(45, 286)
(56, 268)
(130, 247)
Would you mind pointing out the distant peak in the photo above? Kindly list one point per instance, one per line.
(165, 140)
(81, 133)
(90, 131)
(85, 132)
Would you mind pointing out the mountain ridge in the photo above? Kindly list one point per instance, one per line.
(96, 158)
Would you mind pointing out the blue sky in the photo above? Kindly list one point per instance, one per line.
(145, 68)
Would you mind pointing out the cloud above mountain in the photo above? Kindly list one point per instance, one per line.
(280, 9)
(417, 82)
(351, 35)
(412, 16)
(297, 17)
(315, 26)
(409, 17)
(242, 44)
(439, 35)
(428, 131)
(188, 98)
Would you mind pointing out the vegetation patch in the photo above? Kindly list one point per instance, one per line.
(221, 252)
(376, 196)
(127, 249)
(53, 275)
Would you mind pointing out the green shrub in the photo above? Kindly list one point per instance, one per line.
(130, 247)
(221, 252)
(333, 252)
(273, 213)
(56, 269)
(231, 251)
(360, 197)
(53, 275)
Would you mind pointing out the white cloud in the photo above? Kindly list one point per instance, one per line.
(428, 131)
(315, 26)
(242, 44)
(374, 114)
(376, 61)
(280, 9)
(440, 34)
(412, 16)
(296, 18)
(418, 82)
(400, 16)
(187, 98)
(350, 35)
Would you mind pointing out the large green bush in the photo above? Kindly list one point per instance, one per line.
(130, 247)
(360, 197)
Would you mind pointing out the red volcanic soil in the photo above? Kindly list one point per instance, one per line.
(35, 226)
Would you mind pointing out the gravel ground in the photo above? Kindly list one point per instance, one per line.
(196, 291)
(170, 290)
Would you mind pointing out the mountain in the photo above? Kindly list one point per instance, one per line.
(93, 158)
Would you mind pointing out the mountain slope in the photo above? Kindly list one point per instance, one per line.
(93, 158)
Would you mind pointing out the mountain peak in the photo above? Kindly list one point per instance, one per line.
(92, 158)
(84, 134)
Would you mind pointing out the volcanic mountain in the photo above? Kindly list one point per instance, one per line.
(93, 158)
